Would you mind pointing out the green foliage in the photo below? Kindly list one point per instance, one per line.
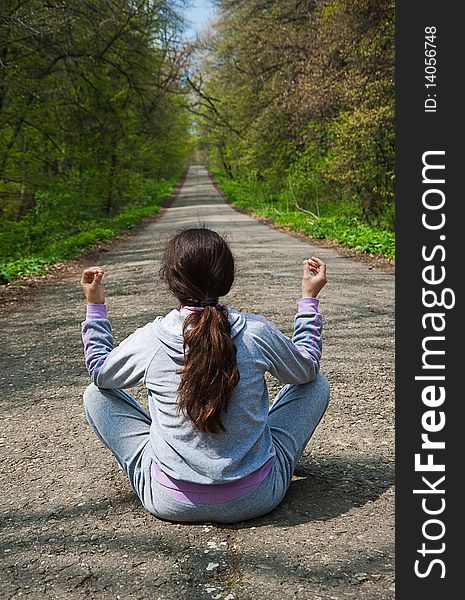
(300, 95)
(91, 114)
(47, 252)
(67, 209)
(93, 123)
(337, 221)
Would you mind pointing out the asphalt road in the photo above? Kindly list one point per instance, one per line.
(72, 528)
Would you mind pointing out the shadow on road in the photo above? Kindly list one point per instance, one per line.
(326, 488)
(322, 489)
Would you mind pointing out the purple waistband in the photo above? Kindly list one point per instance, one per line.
(217, 493)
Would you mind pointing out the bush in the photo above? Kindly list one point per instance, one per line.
(337, 221)
(57, 250)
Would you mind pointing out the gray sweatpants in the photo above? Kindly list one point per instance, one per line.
(124, 427)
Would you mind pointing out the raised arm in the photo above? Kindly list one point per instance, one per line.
(297, 360)
(111, 367)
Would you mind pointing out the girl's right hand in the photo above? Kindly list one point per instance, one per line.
(314, 278)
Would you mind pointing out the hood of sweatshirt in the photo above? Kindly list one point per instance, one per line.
(168, 329)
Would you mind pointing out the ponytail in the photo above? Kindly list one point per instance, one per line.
(198, 266)
(210, 372)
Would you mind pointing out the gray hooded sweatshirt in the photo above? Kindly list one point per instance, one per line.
(153, 355)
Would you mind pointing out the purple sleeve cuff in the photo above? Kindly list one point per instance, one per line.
(96, 311)
(307, 305)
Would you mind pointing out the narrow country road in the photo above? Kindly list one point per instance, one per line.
(72, 528)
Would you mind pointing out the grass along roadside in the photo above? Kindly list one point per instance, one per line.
(84, 241)
(335, 221)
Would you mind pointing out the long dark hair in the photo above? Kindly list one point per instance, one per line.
(199, 268)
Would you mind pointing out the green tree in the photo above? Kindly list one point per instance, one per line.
(300, 95)
(91, 112)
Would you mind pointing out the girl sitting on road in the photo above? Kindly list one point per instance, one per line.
(211, 448)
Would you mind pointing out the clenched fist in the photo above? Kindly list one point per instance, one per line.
(314, 277)
(91, 283)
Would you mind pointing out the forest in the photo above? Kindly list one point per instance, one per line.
(104, 104)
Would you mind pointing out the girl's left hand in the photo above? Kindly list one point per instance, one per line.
(91, 283)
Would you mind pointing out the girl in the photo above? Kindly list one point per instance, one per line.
(211, 449)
